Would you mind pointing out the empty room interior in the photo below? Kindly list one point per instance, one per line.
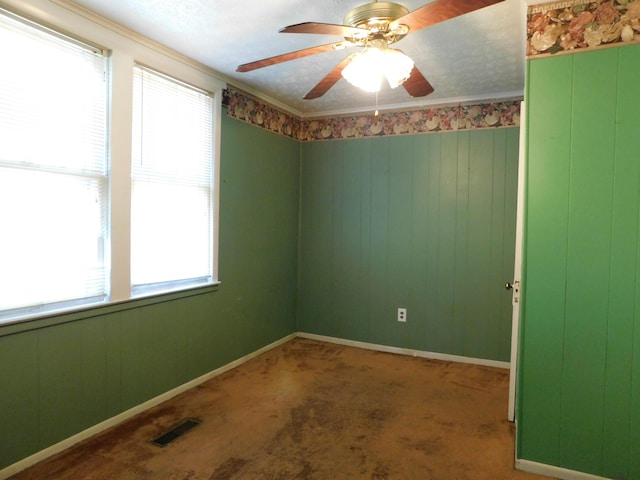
(233, 250)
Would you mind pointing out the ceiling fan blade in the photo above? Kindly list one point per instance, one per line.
(326, 29)
(439, 11)
(285, 57)
(329, 80)
(416, 85)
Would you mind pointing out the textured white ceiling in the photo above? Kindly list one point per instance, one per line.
(478, 56)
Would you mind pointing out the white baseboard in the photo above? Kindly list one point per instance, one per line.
(555, 472)
(524, 465)
(113, 421)
(406, 351)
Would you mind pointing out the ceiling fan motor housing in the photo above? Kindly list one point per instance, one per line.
(376, 17)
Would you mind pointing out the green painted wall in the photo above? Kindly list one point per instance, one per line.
(424, 222)
(579, 401)
(61, 379)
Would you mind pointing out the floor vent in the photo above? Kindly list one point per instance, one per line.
(175, 432)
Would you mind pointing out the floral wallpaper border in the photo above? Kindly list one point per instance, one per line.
(250, 110)
(427, 120)
(568, 26)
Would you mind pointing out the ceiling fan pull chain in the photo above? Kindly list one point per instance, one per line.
(376, 112)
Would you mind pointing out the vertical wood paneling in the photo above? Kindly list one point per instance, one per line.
(135, 359)
(113, 365)
(582, 320)
(306, 274)
(478, 246)
(461, 281)
(323, 238)
(180, 346)
(424, 211)
(258, 239)
(317, 236)
(588, 259)
(622, 394)
(60, 392)
(634, 423)
(366, 281)
(337, 317)
(94, 371)
(159, 333)
(74, 375)
(622, 282)
(19, 398)
(446, 259)
(512, 150)
(418, 281)
(549, 128)
(500, 243)
(351, 297)
(380, 310)
(201, 335)
(401, 165)
(437, 326)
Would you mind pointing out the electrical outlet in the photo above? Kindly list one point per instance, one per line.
(402, 314)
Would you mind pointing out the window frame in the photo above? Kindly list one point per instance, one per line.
(33, 166)
(139, 290)
(125, 49)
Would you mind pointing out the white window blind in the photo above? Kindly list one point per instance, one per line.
(53, 170)
(172, 184)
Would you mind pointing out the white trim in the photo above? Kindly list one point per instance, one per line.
(243, 88)
(416, 105)
(217, 160)
(121, 91)
(113, 421)
(553, 471)
(406, 351)
(523, 465)
(126, 47)
(517, 268)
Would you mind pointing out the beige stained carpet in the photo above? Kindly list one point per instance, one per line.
(311, 410)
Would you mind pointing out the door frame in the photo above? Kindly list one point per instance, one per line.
(517, 269)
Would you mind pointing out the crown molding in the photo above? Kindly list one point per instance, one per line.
(418, 105)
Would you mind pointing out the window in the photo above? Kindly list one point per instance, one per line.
(53, 170)
(172, 184)
(71, 234)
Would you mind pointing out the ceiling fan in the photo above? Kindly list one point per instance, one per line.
(373, 27)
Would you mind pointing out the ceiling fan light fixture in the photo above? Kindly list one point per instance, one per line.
(397, 68)
(368, 68)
